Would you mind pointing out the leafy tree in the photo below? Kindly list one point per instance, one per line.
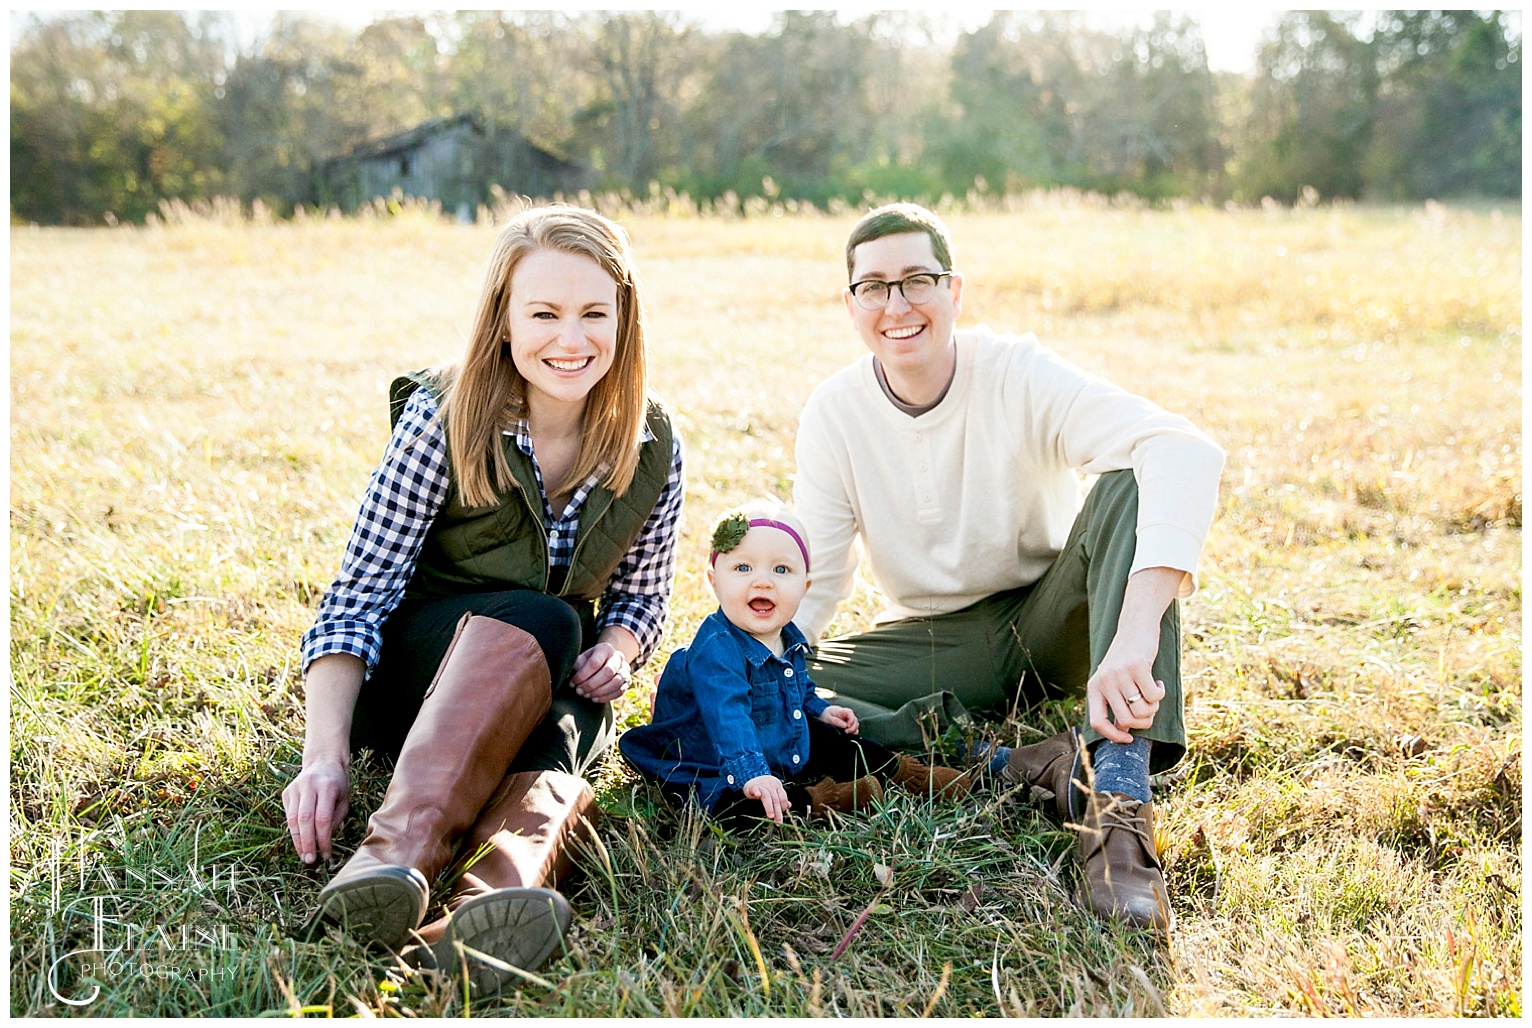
(1008, 127)
(288, 106)
(1043, 100)
(1157, 129)
(111, 112)
(1448, 119)
(1312, 110)
(514, 67)
(640, 62)
(901, 89)
(404, 72)
(789, 105)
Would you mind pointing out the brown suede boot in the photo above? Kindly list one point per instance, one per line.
(504, 906)
(1054, 771)
(1120, 864)
(944, 783)
(828, 794)
(491, 689)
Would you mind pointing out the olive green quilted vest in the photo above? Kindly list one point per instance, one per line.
(505, 545)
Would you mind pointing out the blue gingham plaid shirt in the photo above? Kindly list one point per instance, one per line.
(409, 488)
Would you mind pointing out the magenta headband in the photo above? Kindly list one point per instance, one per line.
(769, 523)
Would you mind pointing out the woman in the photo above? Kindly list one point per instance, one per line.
(511, 563)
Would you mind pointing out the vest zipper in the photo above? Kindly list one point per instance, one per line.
(542, 530)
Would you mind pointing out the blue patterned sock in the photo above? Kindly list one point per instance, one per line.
(1123, 767)
(999, 756)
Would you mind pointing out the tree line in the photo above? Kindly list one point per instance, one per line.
(113, 112)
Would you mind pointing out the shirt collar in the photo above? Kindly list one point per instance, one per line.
(522, 433)
(756, 651)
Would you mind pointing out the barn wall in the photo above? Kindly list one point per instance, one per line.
(456, 166)
(439, 167)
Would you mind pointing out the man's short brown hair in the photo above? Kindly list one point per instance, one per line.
(892, 220)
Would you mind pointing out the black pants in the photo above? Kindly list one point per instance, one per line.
(574, 733)
(832, 754)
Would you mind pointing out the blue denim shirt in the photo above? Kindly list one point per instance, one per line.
(727, 710)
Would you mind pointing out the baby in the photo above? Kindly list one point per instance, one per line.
(737, 726)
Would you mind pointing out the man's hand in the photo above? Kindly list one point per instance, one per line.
(1123, 693)
(601, 673)
(843, 718)
(316, 801)
(1124, 685)
(768, 789)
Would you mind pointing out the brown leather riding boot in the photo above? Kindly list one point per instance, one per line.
(504, 905)
(491, 689)
(1048, 768)
(1120, 863)
(944, 783)
(828, 794)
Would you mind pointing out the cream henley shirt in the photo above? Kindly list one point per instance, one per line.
(978, 494)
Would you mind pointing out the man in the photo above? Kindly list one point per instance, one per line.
(954, 458)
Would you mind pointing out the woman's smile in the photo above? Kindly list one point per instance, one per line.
(562, 322)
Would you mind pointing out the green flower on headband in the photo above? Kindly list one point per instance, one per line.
(730, 531)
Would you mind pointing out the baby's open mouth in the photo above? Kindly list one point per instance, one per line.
(761, 605)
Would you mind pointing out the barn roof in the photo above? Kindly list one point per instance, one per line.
(411, 138)
(415, 136)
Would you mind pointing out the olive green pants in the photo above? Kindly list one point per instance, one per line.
(1014, 648)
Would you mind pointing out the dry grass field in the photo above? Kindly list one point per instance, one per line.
(195, 407)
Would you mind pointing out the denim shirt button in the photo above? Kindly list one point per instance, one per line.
(795, 758)
(787, 672)
(731, 779)
(797, 714)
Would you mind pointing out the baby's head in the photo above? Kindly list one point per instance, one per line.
(759, 568)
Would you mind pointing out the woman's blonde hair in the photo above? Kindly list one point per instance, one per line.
(486, 392)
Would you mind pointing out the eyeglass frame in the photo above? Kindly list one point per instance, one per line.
(898, 284)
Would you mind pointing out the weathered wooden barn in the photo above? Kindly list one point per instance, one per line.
(455, 161)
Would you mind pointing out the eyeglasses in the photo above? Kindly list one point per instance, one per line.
(871, 294)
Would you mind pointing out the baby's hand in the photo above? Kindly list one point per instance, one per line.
(843, 718)
(768, 789)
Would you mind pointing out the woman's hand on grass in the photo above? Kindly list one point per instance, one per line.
(316, 801)
(768, 789)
